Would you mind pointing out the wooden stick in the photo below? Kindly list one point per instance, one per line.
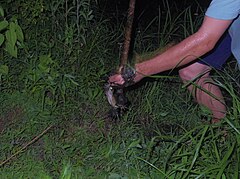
(128, 32)
(25, 146)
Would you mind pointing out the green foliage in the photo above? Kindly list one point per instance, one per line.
(57, 80)
(77, 19)
(10, 35)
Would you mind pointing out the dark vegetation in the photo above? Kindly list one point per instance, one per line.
(54, 123)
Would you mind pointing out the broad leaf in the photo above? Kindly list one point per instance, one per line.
(11, 34)
(3, 25)
(1, 39)
(19, 33)
(11, 49)
(1, 11)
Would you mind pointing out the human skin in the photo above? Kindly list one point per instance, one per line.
(183, 53)
(204, 83)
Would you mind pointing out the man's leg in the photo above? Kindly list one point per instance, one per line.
(214, 59)
(216, 104)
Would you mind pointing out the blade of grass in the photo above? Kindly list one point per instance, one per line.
(231, 124)
(225, 161)
(198, 147)
(156, 168)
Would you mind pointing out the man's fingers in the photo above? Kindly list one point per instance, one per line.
(116, 79)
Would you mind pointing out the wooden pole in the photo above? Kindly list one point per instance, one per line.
(128, 33)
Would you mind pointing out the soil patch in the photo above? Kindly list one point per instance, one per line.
(10, 116)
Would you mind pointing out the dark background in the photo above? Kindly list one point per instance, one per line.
(150, 8)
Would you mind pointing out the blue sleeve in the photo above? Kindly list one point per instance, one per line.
(224, 9)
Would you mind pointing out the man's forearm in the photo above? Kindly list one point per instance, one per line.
(188, 50)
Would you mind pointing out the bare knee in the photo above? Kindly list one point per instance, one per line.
(192, 71)
(186, 74)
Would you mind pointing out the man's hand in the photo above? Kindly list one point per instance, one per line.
(116, 79)
(126, 76)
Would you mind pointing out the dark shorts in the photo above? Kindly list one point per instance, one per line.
(220, 54)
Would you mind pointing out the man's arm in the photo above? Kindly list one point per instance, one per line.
(188, 50)
(185, 52)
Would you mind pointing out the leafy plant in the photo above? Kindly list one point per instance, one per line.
(56, 80)
(11, 34)
(45, 79)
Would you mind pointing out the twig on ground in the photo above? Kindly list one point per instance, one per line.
(25, 146)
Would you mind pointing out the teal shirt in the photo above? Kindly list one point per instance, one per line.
(228, 10)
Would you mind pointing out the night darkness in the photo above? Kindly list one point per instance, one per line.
(147, 9)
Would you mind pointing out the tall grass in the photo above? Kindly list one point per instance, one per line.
(161, 135)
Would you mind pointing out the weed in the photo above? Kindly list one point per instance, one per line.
(56, 81)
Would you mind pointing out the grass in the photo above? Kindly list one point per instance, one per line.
(162, 135)
(140, 145)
